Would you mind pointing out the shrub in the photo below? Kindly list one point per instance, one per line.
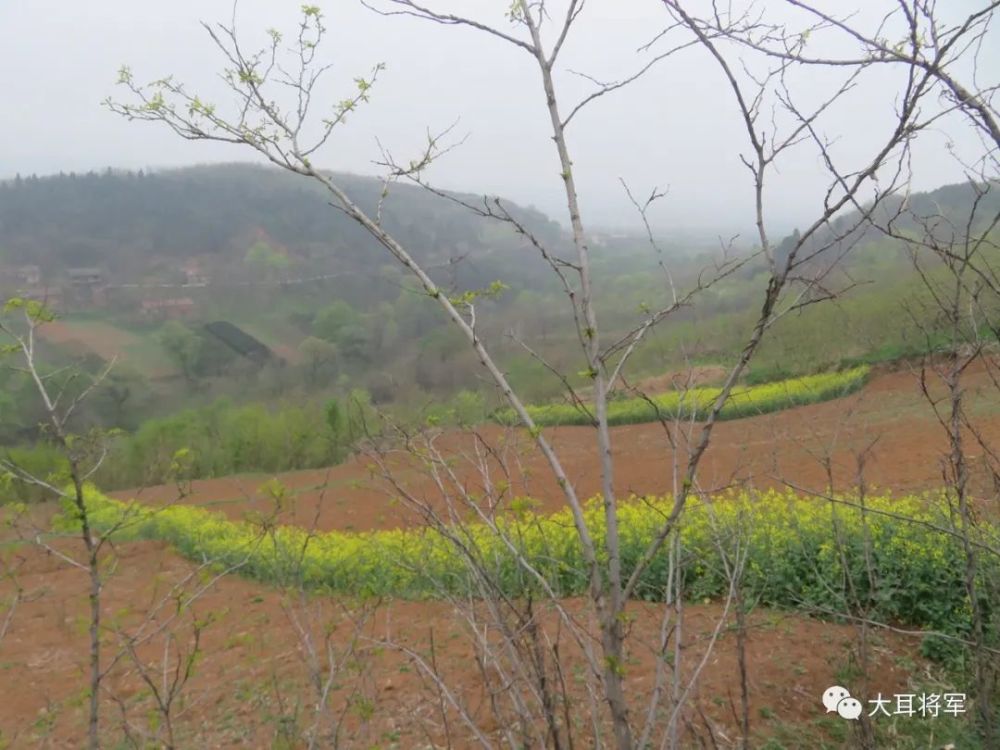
(224, 439)
(744, 401)
(41, 460)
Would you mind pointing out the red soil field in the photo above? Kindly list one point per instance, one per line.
(251, 672)
(252, 659)
(101, 338)
(886, 435)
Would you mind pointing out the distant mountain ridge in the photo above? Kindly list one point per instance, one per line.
(127, 222)
(946, 212)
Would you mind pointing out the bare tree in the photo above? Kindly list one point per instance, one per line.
(63, 391)
(956, 260)
(265, 119)
(939, 49)
(84, 455)
(941, 43)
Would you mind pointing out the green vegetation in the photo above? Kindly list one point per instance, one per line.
(269, 220)
(224, 437)
(802, 552)
(185, 347)
(359, 323)
(218, 440)
(265, 258)
(41, 460)
(227, 439)
(744, 401)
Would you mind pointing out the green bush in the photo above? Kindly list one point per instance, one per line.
(227, 439)
(465, 408)
(42, 460)
(218, 440)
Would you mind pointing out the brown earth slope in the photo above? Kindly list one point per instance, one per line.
(250, 683)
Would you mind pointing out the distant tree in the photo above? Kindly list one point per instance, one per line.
(382, 387)
(8, 412)
(416, 315)
(261, 256)
(335, 418)
(388, 334)
(115, 400)
(469, 407)
(349, 419)
(184, 346)
(320, 357)
(383, 331)
(135, 219)
(330, 322)
(785, 248)
(354, 344)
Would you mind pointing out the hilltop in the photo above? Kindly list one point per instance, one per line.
(147, 225)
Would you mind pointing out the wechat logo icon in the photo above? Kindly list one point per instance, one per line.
(837, 699)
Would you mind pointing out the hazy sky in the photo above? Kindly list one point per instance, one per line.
(677, 128)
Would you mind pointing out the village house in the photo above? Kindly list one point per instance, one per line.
(194, 274)
(29, 276)
(164, 309)
(86, 287)
(20, 277)
(85, 277)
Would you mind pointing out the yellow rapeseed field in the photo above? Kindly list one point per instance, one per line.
(803, 552)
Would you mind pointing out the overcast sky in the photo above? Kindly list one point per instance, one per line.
(677, 128)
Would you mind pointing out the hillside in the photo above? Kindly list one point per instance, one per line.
(147, 267)
(146, 225)
(248, 617)
(941, 214)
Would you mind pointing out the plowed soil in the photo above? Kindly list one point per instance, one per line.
(253, 675)
(250, 686)
(885, 436)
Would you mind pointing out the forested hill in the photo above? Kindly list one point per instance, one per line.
(132, 224)
(122, 221)
(944, 213)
